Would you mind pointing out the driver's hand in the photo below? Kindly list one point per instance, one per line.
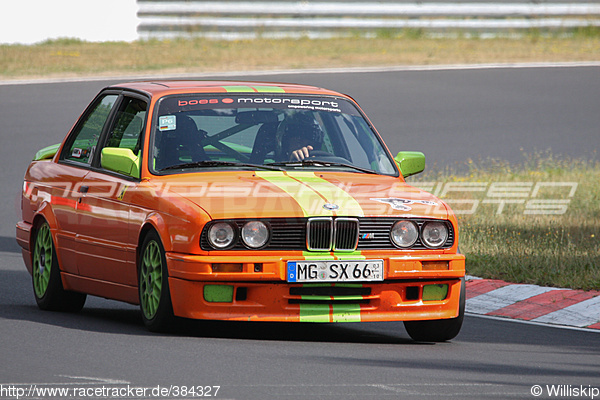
(301, 154)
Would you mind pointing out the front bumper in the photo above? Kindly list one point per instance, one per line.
(259, 292)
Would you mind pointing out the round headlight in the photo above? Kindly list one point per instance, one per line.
(434, 234)
(404, 233)
(221, 235)
(255, 234)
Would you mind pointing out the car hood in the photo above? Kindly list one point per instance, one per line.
(272, 194)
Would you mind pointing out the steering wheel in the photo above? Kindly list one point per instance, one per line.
(326, 156)
(320, 153)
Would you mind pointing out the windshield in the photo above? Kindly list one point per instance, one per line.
(264, 131)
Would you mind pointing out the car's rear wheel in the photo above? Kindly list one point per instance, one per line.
(439, 330)
(47, 285)
(155, 298)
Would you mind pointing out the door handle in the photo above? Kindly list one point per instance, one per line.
(82, 190)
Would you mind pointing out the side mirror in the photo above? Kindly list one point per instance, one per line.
(121, 160)
(410, 162)
(47, 153)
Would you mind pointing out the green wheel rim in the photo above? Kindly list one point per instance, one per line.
(42, 260)
(151, 279)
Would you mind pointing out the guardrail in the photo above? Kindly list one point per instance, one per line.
(246, 19)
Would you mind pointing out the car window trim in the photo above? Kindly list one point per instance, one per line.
(95, 164)
(76, 128)
(154, 121)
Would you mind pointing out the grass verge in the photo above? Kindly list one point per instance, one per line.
(538, 222)
(69, 57)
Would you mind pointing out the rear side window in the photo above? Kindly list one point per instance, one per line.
(83, 142)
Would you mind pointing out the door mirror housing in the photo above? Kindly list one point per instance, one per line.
(47, 153)
(121, 160)
(410, 162)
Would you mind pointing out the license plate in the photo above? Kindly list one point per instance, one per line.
(335, 271)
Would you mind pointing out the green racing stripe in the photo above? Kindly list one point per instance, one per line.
(307, 198)
(330, 192)
(331, 312)
(311, 193)
(253, 89)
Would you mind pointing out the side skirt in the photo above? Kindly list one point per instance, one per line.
(94, 287)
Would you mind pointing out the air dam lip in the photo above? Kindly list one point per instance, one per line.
(263, 301)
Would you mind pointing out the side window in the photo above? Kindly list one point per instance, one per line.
(83, 143)
(127, 129)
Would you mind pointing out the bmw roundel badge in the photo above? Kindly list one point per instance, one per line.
(331, 207)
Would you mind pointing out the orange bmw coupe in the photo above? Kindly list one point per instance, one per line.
(239, 201)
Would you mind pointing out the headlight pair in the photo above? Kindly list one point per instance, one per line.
(254, 234)
(405, 233)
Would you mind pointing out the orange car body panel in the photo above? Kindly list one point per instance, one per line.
(97, 234)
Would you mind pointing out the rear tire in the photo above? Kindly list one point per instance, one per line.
(47, 284)
(439, 330)
(155, 297)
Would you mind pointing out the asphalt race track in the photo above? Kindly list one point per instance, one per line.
(451, 116)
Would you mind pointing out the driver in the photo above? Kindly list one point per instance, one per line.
(299, 137)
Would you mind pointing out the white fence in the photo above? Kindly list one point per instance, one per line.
(30, 21)
(246, 19)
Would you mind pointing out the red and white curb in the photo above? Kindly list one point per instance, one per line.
(544, 305)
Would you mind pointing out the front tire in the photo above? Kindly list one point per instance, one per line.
(155, 297)
(439, 330)
(47, 284)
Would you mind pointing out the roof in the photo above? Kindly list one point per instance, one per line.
(162, 87)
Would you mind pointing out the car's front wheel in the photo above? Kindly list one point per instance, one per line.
(47, 285)
(155, 298)
(439, 330)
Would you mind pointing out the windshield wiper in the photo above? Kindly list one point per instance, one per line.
(217, 163)
(305, 163)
